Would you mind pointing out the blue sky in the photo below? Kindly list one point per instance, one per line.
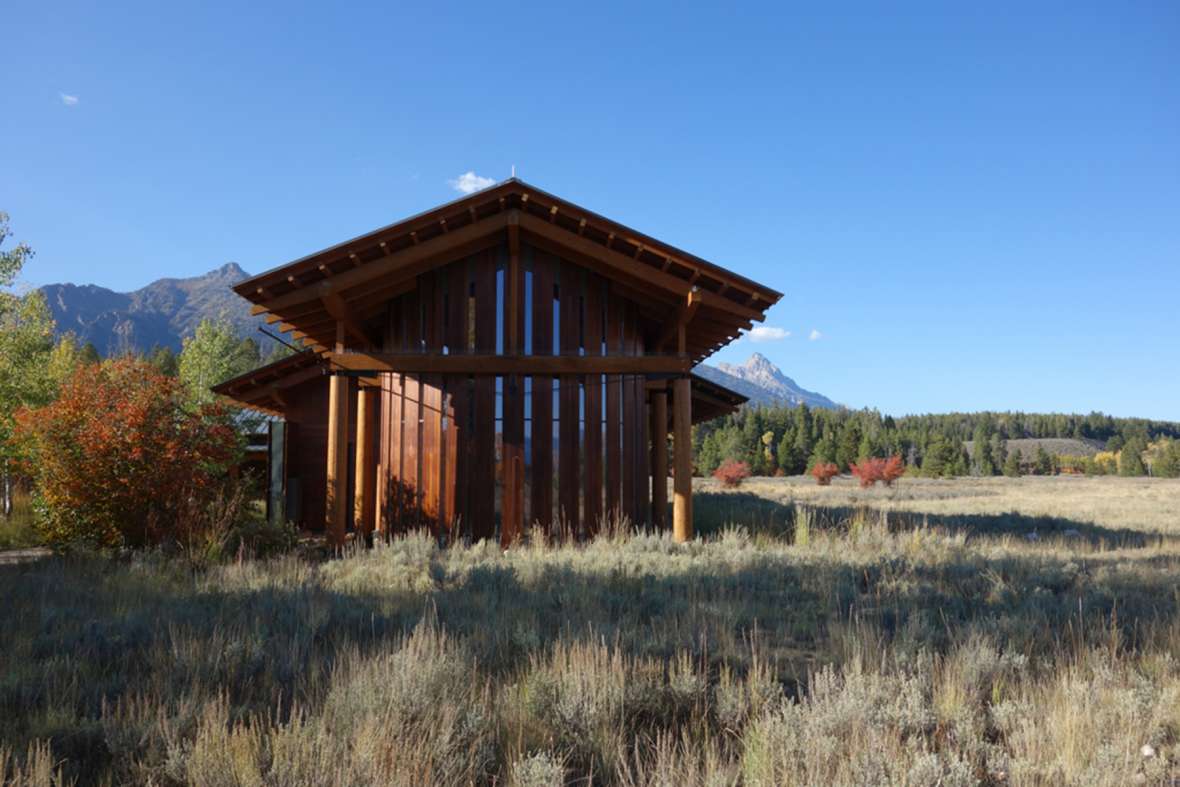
(968, 205)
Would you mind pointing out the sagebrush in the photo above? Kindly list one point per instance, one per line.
(888, 649)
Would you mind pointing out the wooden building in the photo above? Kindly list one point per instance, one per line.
(504, 360)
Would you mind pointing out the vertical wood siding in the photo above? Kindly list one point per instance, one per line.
(569, 459)
(437, 456)
(541, 483)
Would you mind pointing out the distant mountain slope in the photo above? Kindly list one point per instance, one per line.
(763, 383)
(162, 313)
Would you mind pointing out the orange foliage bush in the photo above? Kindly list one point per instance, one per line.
(824, 472)
(120, 456)
(731, 473)
(874, 469)
(893, 470)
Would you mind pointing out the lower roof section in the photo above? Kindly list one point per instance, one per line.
(269, 389)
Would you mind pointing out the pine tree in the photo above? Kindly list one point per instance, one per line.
(825, 451)
(164, 360)
(1012, 463)
(1043, 461)
(847, 446)
(982, 462)
(865, 449)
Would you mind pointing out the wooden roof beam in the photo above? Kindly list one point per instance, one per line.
(407, 263)
(619, 263)
(486, 363)
(677, 322)
(338, 308)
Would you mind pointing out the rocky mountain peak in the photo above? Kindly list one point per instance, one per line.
(763, 382)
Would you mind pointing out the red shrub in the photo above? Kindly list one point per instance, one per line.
(120, 457)
(731, 473)
(874, 469)
(868, 470)
(824, 472)
(894, 469)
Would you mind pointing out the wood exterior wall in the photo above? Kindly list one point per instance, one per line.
(473, 455)
(307, 447)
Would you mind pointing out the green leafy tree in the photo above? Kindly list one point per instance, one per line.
(1167, 462)
(214, 354)
(64, 359)
(26, 339)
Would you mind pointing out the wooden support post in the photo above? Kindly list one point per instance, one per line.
(364, 508)
(335, 501)
(682, 447)
(659, 459)
(512, 497)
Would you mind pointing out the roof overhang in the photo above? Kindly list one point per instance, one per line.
(710, 400)
(264, 389)
(351, 282)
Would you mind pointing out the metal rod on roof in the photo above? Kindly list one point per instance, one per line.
(279, 339)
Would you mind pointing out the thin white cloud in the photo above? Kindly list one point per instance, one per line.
(469, 183)
(814, 335)
(767, 333)
(69, 100)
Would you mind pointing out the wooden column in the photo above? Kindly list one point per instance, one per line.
(682, 448)
(364, 501)
(512, 496)
(335, 499)
(659, 459)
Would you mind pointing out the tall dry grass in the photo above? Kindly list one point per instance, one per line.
(890, 648)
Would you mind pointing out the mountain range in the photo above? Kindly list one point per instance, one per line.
(162, 313)
(166, 311)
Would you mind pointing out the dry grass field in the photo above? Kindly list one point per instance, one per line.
(963, 632)
(1105, 506)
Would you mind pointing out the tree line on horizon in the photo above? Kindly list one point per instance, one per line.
(784, 440)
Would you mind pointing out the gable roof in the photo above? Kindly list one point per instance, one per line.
(356, 278)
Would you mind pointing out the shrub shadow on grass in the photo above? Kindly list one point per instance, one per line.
(715, 511)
